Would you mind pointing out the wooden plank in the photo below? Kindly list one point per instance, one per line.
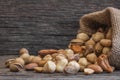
(39, 24)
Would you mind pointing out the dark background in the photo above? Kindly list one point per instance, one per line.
(43, 24)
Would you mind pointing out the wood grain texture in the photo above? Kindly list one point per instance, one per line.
(43, 24)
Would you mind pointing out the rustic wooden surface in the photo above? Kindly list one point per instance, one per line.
(40, 24)
(5, 74)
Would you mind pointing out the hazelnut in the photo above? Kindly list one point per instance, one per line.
(91, 57)
(30, 66)
(82, 36)
(23, 50)
(49, 67)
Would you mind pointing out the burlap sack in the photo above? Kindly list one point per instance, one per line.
(105, 18)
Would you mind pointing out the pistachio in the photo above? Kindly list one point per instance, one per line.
(20, 60)
(83, 61)
(36, 59)
(25, 57)
(89, 49)
(91, 57)
(88, 71)
(8, 62)
(98, 48)
(15, 67)
(77, 41)
(30, 66)
(29, 59)
(23, 50)
(98, 36)
(106, 42)
(72, 68)
(109, 33)
(38, 69)
(106, 50)
(49, 67)
(82, 36)
(69, 54)
(90, 42)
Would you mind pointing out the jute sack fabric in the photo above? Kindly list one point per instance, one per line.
(109, 17)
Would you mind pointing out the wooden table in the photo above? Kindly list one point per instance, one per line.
(5, 74)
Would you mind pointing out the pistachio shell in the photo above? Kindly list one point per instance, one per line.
(23, 50)
(106, 42)
(77, 41)
(8, 62)
(90, 42)
(82, 36)
(20, 60)
(25, 57)
(91, 57)
(106, 50)
(15, 67)
(36, 59)
(98, 48)
(47, 57)
(109, 33)
(98, 36)
(89, 49)
(83, 61)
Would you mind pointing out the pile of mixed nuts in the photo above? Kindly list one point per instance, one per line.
(86, 53)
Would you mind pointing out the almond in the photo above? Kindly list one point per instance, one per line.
(95, 67)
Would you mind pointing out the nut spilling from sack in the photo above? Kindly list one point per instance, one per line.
(88, 54)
